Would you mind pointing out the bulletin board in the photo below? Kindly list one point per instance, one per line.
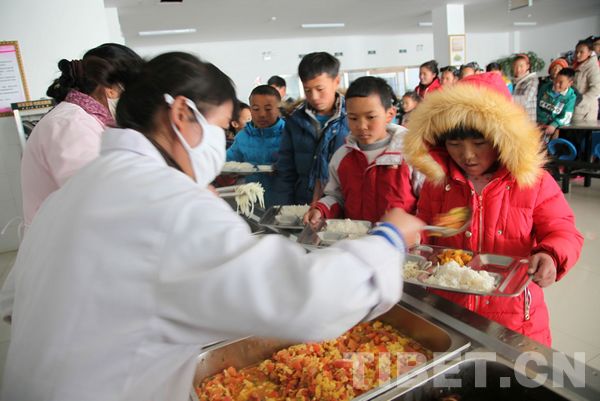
(13, 87)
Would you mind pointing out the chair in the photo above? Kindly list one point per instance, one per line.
(562, 149)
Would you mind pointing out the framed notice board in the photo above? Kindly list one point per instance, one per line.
(13, 87)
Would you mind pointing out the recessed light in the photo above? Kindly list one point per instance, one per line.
(167, 32)
(328, 25)
(425, 23)
(524, 23)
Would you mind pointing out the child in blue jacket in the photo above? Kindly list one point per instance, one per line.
(258, 143)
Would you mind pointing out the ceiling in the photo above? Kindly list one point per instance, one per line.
(220, 20)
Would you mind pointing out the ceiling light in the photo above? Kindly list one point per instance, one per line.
(167, 32)
(329, 25)
(525, 23)
(425, 23)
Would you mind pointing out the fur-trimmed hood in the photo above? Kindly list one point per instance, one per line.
(502, 122)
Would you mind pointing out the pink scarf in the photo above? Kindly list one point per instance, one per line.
(91, 106)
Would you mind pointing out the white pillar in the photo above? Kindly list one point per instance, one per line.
(447, 21)
(514, 42)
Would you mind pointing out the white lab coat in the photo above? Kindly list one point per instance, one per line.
(131, 267)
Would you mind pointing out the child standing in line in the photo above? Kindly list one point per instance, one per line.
(258, 143)
(525, 84)
(410, 101)
(449, 75)
(242, 117)
(556, 103)
(428, 78)
(313, 132)
(368, 175)
(478, 149)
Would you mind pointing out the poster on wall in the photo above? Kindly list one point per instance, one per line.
(13, 87)
(457, 50)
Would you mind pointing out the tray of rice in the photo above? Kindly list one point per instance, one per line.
(366, 361)
(330, 231)
(244, 168)
(463, 271)
(287, 217)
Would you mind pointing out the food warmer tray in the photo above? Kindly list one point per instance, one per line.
(509, 272)
(444, 342)
(261, 168)
(269, 220)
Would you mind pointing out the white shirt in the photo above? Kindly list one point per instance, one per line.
(64, 141)
(131, 267)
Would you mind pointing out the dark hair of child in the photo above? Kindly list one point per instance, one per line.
(459, 133)
(588, 42)
(450, 68)
(265, 90)
(567, 72)
(493, 67)
(277, 81)
(367, 86)
(432, 66)
(314, 64)
(413, 95)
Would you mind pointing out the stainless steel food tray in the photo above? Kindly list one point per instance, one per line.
(261, 168)
(269, 219)
(510, 272)
(311, 237)
(443, 341)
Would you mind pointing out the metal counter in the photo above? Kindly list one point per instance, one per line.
(511, 352)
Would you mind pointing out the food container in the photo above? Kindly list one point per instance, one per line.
(510, 273)
(317, 237)
(443, 341)
(261, 168)
(272, 219)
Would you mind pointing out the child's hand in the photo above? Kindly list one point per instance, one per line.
(542, 266)
(312, 217)
(407, 224)
(549, 130)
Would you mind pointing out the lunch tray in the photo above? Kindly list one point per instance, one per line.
(316, 237)
(509, 272)
(269, 219)
(261, 168)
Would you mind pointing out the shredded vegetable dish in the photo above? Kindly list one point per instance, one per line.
(363, 358)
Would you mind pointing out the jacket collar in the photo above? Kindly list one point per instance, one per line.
(392, 154)
(524, 78)
(273, 130)
(129, 140)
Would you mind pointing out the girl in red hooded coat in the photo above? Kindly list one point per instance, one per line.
(479, 149)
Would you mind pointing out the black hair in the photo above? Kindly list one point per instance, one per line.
(567, 72)
(493, 67)
(277, 81)
(432, 66)
(459, 133)
(413, 95)
(176, 74)
(449, 68)
(367, 86)
(588, 42)
(266, 90)
(106, 65)
(314, 64)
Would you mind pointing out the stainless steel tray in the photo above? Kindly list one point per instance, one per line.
(269, 219)
(266, 168)
(510, 272)
(312, 237)
(443, 341)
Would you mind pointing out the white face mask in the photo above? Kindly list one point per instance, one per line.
(208, 157)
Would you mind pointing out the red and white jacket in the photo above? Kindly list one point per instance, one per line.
(361, 190)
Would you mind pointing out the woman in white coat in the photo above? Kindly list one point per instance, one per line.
(134, 264)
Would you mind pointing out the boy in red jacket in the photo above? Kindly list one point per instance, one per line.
(479, 149)
(368, 175)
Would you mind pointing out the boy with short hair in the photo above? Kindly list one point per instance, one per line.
(368, 175)
(313, 132)
(258, 143)
(556, 103)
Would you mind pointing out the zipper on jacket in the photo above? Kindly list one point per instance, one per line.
(480, 228)
(527, 303)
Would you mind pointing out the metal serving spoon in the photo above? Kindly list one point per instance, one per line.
(445, 231)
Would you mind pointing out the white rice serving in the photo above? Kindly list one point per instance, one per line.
(453, 275)
(297, 211)
(237, 166)
(347, 226)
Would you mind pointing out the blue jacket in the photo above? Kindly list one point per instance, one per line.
(258, 146)
(304, 154)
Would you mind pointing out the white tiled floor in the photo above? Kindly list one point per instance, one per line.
(573, 302)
